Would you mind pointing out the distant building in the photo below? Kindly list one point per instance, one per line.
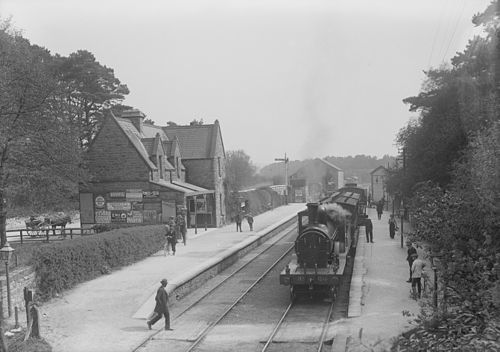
(138, 175)
(315, 180)
(378, 184)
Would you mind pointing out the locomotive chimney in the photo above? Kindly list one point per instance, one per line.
(312, 209)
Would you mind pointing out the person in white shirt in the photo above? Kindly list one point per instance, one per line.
(417, 268)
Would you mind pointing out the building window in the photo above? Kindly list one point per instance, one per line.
(161, 167)
(178, 167)
(220, 171)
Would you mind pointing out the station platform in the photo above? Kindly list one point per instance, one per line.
(379, 292)
(109, 313)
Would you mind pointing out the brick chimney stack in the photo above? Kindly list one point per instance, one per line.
(136, 117)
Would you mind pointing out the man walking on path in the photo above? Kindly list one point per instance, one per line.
(161, 307)
(416, 271)
(250, 221)
(181, 226)
(369, 230)
(393, 226)
(380, 208)
(411, 251)
(238, 220)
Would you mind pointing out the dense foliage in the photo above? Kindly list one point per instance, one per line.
(50, 108)
(60, 266)
(451, 182)
(240, 170)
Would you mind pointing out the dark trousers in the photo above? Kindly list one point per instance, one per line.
(379, 215)
(369, 235)
(251, 226)
(416, 282)
(410, 262)
(238, 227)
(184, 236)
(158, 317)
(173, 244)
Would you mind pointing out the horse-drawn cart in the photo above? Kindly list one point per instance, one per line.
(36, 226)
(40, 226)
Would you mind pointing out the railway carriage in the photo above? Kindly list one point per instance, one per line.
(326, 233)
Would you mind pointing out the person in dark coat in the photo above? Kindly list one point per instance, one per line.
(380, 208)
(172, 238)
(369, 230)
(238, 220)
(161, 307)
(250, 221)
(393, 226)
(410, 257)
(180, 222)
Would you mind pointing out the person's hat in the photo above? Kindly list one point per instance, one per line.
(164, 281)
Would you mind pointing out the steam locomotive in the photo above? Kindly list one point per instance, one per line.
(327, 231)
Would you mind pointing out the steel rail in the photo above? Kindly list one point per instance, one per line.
(275, 330)
(213, 324)
(325, 327)
(280, 322)
(276, 238)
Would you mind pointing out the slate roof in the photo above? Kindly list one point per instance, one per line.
(196, 142)
(150, 131)
(186, 188)
(191, 187)
(378, 168)
(145, 146)
(148, 144)
(135, 138)
(330, 164)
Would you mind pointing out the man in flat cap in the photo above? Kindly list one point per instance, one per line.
(161, 307)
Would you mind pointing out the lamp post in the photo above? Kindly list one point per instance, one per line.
(5, 254)
(435, 257)
(285, 160)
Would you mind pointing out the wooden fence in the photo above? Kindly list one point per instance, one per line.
(23, 236)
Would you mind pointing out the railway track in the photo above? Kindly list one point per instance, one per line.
(247, 309)
(292, 315)
(253, 258)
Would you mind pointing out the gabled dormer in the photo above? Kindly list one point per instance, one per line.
(158, 155)
(174, 157)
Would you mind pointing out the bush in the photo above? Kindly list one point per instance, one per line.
(62, 265)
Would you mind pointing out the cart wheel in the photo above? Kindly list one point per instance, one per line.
(33, 232)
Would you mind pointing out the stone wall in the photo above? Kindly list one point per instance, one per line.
(19, 279)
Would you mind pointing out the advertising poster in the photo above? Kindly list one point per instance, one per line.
(133, 194)
(118, 216)
(102, 217)
(134, 217)
(119, 206)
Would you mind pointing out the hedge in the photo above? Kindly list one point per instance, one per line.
(62, 265)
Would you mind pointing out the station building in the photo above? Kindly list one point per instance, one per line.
(378, 184)
(144, 174)
(315, 180)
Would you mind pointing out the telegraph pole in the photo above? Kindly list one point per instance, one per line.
(403, 196)
(285, 160)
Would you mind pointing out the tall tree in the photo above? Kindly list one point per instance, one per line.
(239, 170)
(36, 143)
(90, 89)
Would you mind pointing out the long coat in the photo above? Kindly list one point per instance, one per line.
(161, 301)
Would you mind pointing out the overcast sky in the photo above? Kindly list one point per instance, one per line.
(308, 78)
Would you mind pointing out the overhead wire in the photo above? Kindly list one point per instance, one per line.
(455, 29)
(436, 33)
